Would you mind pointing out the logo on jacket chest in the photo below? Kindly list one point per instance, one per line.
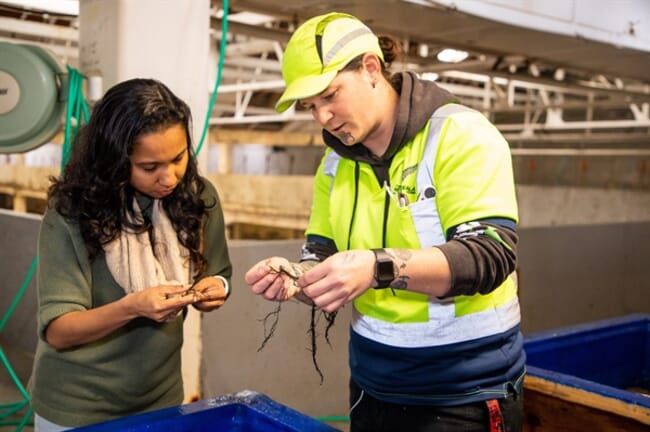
(403, 186)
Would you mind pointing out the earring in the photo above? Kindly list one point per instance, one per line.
(374, 84)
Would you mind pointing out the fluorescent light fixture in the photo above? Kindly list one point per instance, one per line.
(449, 55)
(67, 7)
(244, 17)
(430, 76)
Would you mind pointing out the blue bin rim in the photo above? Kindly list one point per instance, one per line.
(589, 327)
(262, 404)
(585, 329)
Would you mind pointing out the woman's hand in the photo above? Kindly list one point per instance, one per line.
(209, 293)
(160, 303)
(274, 278)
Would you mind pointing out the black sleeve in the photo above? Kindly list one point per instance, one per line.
(481, 255)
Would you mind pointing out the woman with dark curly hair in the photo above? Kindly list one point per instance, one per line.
(131, 237)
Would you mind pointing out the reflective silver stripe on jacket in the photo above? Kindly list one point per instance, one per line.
(425, 212)
(443, 327)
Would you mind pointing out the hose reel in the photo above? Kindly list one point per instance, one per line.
(32, 97)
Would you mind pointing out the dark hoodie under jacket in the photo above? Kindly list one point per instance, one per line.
(478, 264)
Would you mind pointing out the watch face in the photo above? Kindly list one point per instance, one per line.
(384, 268)
(385, 271)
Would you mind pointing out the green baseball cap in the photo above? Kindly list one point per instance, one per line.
(318, 50)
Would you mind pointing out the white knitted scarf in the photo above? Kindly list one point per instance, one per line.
(136, 264)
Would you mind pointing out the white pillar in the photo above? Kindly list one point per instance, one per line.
(167, 40)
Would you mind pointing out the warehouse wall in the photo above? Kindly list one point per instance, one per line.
(568, 274)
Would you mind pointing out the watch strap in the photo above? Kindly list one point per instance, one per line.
(384, 268)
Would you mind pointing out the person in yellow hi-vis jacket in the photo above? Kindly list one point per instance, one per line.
(413, 222)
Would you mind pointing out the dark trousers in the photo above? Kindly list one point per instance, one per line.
(371, 415)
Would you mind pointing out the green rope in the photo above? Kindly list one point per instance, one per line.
(334, 419)
(16, 380)
(77, 112)
(222, 55)
(19, 294)
(11, 409)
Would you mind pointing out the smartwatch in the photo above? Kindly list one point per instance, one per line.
(384, 268)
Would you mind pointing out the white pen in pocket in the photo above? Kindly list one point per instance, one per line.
(401, 198)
